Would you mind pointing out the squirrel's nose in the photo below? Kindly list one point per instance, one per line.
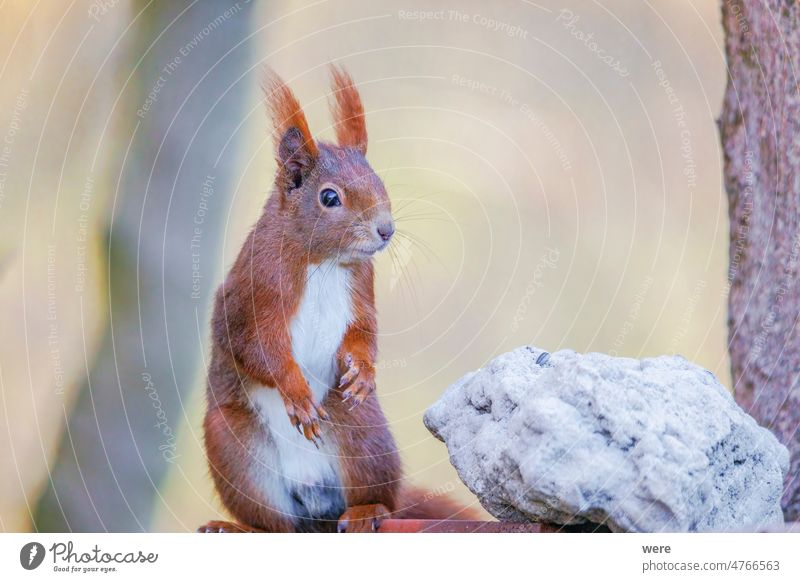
(385, 230)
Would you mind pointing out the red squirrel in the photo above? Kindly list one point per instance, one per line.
(295, 440)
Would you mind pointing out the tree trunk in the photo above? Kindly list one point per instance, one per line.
(180, 112)
(760, 125)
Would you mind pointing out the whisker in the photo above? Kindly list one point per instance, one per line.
(405, 282)
(421, 218)
(424, 247)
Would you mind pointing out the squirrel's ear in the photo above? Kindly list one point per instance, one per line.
(295, 148)
(295, 158)
(348, 112)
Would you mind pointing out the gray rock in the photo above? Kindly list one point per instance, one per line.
(641, 445)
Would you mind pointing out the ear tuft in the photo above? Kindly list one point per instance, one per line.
(285, 111)
(348, 112)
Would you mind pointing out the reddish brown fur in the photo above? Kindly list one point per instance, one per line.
(414, 503)
(348, 112)
(284, 109)
(251, 326)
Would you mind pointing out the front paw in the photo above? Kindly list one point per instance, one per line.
(359, 380)
(362, 518)
(305, 414)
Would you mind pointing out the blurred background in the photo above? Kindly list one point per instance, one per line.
(556, 166)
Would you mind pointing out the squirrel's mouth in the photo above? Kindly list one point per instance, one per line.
(364, 252)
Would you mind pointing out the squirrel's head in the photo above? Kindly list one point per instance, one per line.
(336, 203)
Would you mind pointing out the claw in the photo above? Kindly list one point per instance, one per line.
(355, 403)
(348, 377)
(299, 427)
(316, 435)
(352, 371)
(347, 395)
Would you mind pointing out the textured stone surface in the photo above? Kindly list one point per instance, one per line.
(643, 445)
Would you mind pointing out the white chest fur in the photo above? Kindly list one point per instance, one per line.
(320, 323)
(287, 465)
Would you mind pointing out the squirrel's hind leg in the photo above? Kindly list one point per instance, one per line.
(362, 518)
(235, 447)
(369, 462)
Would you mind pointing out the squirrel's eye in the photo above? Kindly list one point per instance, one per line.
(329, 198)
